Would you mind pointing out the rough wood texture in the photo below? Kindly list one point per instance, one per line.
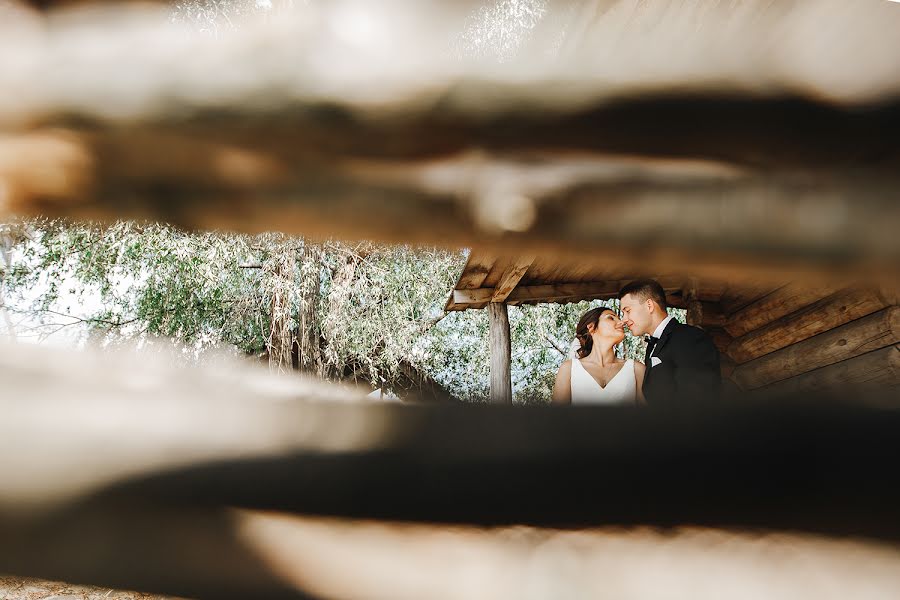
(477, 268)
(559, 153)
(501, 381)
(144, 496)
(878, 370)
(720, 338)
(705, 314)
(864, 335)
(828, 313)
(779, 303)
(511, 278)
(564, 292)
(742, 293)
(552, 279)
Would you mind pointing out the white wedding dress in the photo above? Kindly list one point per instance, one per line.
(620, 390)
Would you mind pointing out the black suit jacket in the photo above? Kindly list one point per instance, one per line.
(689, 371)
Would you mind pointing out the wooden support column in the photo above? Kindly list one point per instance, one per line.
(501, 378)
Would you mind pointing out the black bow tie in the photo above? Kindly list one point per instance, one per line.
(651, 343)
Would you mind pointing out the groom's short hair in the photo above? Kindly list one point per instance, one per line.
(644, 289)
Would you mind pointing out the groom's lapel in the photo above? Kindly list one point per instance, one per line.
(666, 334)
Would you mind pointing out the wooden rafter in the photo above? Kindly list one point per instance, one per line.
(511, 277)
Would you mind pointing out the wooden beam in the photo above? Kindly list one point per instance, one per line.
(478, 265)
(706, 314)
(720, 338)
(463, 298)
(299, 194)
(779, 303)
(741, 293)
(828, 313)
(541, 293)
(476, 270)
(864, 335)
(563, 292)
(501, 354)
(878, 370)
(511, 277)
(551, 292)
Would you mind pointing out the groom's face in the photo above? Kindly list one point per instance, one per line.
(636, 314)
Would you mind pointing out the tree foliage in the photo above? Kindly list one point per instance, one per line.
(374, 314)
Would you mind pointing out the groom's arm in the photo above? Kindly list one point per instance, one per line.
(697, 373)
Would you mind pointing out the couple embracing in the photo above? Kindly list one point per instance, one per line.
(681, 364)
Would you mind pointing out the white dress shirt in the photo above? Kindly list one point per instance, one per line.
(657, 333)
(661, 327)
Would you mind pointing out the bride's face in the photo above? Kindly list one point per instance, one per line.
(610, 327)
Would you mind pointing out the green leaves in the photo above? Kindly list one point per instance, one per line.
(379, 312)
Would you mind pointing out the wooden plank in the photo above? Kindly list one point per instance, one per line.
(565, 291)
(712, 315)
(467, 297)
(478, 265)
(477, 268)
(828, 313)
(879, 370)
(541, 293)
(864, 335)
(560, 292)
(511, 277)
(742, 293)
(501, 355)
(720, 338)
(779, 303)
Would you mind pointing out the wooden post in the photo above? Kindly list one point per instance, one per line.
(501, 380)
(693, 304)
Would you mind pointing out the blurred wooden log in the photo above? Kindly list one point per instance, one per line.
(607, 160)
(878, 369)
(828, 313)
(121, 476)
(779, 303)
(864, 335)
(272, 182)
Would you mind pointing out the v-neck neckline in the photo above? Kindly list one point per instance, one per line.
(594, 379)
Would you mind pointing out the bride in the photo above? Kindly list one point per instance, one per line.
(596, 376)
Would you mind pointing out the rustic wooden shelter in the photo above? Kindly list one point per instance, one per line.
(774, 337)
(745, 153)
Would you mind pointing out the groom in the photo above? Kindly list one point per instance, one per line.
(682, 362)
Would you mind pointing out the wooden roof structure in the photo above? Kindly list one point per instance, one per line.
(745, 153)
(730, 149)
(796, 336)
